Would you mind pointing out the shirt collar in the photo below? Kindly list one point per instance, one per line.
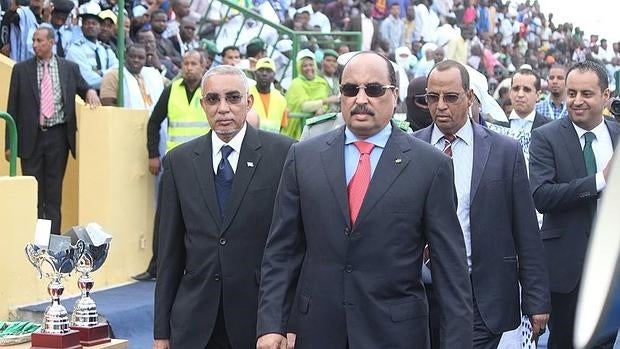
(49, 61)
(530, 117)
(379, 139)
(234, 143)
(465, 133)
(598, 130)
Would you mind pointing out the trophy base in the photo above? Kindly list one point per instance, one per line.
(69, 340)
(93, 335)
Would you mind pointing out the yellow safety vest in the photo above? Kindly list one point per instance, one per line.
(269, 120)
(186, 121)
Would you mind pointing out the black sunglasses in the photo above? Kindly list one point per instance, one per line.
(448, 98)
(420, 99)
(372, 90)
(231, 98)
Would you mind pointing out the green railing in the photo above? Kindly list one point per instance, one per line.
(12, 131)
(353, 39)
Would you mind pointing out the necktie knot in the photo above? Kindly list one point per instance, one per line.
(226, 150)
(449, 137)
(589, 137)
(364, 147)
(448, 141)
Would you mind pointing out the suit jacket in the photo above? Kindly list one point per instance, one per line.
(539, 120)
(566, 196)
(24, 102)
(505, 244)
(361, 284)
(204, 261)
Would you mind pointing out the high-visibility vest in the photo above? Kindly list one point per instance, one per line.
(186, 121)
(270, 120)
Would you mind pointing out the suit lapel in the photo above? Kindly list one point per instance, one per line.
(333, 165)
(249, 158)
(392, 162)
(34, 82)
(482, 148)
(614, 131)
(572, 146)
(203, 170)
(425, 134)
(538, 121)
(62, 71)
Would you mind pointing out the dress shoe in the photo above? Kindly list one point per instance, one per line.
(146, 276)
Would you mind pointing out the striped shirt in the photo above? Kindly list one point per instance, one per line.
(59, 114)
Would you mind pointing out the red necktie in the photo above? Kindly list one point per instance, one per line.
(361, 179)
(448, 141)
(47, 94)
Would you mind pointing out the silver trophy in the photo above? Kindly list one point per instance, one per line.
(97, 244)
(55, 261)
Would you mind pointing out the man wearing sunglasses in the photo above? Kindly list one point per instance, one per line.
(217, 198)
(495, 210)
(355, 207)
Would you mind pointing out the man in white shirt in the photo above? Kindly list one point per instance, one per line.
(569, 166)
(524, 91)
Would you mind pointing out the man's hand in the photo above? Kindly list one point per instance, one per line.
(539, 323)
(161, 344)
(271, 341)
(154, 166)
(92, 99)
(290, 340)
(7, 154)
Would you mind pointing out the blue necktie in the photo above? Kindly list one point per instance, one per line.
(224, 179)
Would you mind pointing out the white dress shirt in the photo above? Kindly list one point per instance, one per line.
(602, 147)
(234, 143)
(463, 161)
(518, 123)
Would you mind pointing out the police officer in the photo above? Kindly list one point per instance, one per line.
(65, 32)
(94, 57)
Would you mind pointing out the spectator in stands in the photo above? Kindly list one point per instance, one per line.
(165, 48)
(336, 12)
(409, 22)
(425, 65)
(554, 106)
(329, 71)
(18, 24)
(185, 40)
(65, 33)
(231, 56)
(180, 10)
(142, 85)
(164, 65)
(92, 56)
(317, 18)
(309, 93)
(107, 35)
(143, 11)
(269, 103)
(393, 29)
(255, 50)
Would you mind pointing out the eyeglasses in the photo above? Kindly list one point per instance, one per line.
(231, 98)
(372, 90)
(448, 98)
(420, 99)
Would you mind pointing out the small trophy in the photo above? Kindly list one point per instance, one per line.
(85, 318)
(55, 258)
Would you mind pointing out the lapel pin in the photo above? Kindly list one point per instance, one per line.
(250, 164)
(398, 161)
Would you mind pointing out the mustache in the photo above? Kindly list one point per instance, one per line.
(362, 109)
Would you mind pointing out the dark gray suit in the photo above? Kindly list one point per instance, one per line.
(44, 154)
(567, 197)
(505, 244)
(203, 262)
(335, 284)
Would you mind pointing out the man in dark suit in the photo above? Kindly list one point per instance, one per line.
(343, 259)
(217, 196)
(524, 92)
(42, 101)
(569, 164)
(495, 210)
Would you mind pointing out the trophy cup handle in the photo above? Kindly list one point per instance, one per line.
(31, 255)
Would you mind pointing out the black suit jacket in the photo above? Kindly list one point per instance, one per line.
(361, 284)
(203, 261)
(566, 197)
(539, 120)
(505, 243)
(24, 102)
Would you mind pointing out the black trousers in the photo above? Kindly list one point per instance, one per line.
(152, 267)
(47, 164)
(562, 322)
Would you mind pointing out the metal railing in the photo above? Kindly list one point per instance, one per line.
(12, 131)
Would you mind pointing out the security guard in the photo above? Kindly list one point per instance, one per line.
(65, 31)
(94, 57)
(320, 124)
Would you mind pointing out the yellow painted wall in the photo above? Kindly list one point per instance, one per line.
(109, 184)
